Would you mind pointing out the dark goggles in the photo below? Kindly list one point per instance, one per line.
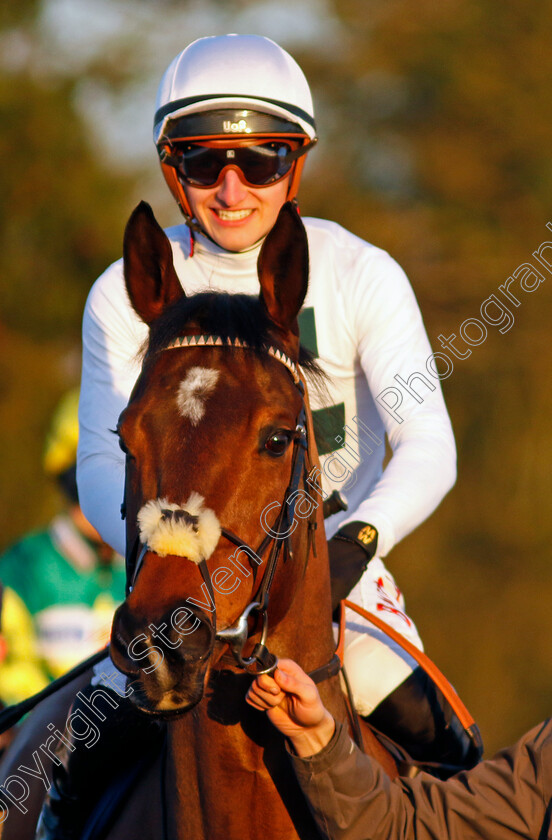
(204, 166)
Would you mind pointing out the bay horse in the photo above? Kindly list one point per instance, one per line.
(227, 557)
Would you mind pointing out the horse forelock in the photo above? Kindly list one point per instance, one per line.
(232, 317)
(229, 316)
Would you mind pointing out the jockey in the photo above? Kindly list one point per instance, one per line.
(233, 125)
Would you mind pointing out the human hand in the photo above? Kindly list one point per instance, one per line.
(350, 550)
(292, 703)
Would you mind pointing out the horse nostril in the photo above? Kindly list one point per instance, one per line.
(190, 633)
(180, 636)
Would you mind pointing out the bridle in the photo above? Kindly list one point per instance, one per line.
(261, 660)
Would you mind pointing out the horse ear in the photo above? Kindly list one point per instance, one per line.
(283, 268)
(151, 281)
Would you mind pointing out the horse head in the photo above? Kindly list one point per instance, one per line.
(214, 436)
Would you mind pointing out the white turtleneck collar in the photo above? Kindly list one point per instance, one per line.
(209, 265)
(207, 248)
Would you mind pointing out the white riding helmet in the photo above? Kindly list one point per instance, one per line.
(232, 86)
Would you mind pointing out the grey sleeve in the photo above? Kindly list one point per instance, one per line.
(502, 798)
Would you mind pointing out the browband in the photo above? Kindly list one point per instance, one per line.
(217, 341)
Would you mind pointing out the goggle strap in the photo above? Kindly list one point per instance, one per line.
(167, 158)
(302, 150)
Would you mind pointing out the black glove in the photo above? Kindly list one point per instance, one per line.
(351, 549)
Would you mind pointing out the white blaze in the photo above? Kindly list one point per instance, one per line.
(193, 391)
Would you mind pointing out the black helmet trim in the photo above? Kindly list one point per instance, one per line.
(228, 122)
(177, 104)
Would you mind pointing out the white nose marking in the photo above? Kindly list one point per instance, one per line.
(193, 391)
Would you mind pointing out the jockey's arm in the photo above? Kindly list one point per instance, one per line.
(380, 315)
(352, 798)
(396, 359)
(112, 335)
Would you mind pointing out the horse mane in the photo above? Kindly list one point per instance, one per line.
(232, 317)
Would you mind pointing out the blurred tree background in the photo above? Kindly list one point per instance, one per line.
(436, 126)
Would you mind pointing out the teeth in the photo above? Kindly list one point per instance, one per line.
(233, 215)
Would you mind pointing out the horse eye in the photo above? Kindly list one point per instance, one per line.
(277, 442)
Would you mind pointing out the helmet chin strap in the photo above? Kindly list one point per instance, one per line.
(193, 224)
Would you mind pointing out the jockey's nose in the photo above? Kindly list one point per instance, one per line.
(231, 189)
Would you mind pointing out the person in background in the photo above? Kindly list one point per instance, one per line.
(61, 585)
(7, 736)
(506, 797)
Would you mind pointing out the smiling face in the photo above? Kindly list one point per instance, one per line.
(235, 215)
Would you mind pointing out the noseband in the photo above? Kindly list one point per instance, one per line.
(261, 661)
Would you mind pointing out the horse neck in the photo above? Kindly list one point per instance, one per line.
(231, 778)
(227, 769)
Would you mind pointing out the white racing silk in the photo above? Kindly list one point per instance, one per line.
(368, 330)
